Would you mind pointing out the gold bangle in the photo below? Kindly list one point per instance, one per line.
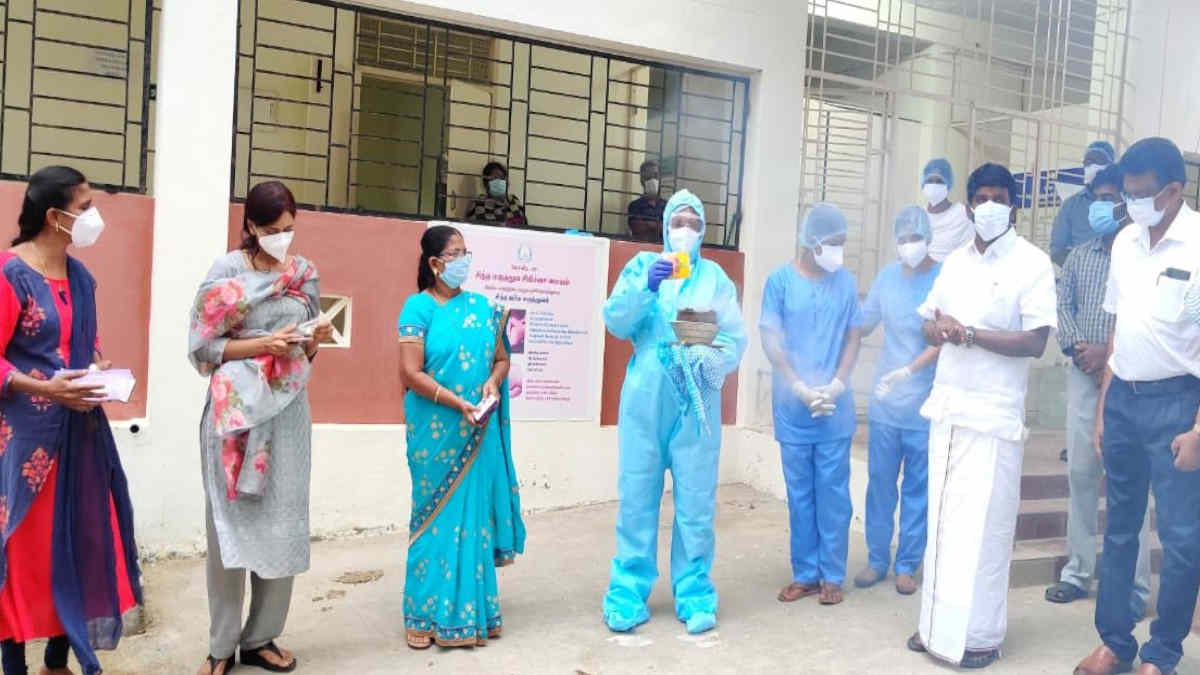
(437, 394)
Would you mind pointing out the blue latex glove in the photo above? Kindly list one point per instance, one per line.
(660, 270)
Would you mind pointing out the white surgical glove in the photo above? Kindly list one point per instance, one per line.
(818, 404)
(891, 380)
(833, 390)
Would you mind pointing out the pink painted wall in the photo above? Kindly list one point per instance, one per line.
(121, 263)
(374, 261)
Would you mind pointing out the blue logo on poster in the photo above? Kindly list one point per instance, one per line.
(525, 253)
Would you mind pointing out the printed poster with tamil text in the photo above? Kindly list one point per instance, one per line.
(548, 282)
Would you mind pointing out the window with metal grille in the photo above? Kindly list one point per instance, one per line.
(77, 88)
(368, 111)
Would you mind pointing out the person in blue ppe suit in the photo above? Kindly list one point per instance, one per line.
(903, 378)
(810, 332)
(670, 419)
(1071, 226)
(950, 226)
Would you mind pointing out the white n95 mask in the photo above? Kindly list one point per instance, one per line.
(276, 245)
(87, 227)
(683, 239)
(935, 193)
(991, 219)
(913, 253)
(831, 257)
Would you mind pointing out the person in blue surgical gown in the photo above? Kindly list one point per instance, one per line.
(903, 378)
(810, 333)
(670, 420)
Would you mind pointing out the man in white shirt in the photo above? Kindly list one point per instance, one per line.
(951, 226)
(991, 311)
(1147, 424)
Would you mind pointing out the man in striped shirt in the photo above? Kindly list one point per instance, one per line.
(1084, 328)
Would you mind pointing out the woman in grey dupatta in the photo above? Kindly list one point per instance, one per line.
(254, 332)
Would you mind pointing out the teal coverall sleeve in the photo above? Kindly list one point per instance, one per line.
(631, 302)
(731, 328)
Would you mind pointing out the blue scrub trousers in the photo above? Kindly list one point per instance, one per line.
(818, 488)
(1140, 421)
(889, 448)
(656, 436)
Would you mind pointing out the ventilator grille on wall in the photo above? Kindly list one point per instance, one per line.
(336, 310)
(369, 111)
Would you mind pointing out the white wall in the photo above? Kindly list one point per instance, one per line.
(1163, 95)
(560, 464)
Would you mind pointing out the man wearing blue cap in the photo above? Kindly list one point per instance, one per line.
(1071, 226)
(810, 333)
(951, 227)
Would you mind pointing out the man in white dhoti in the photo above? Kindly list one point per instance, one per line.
(991, 311)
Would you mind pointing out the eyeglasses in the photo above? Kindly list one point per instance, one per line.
(455, 255)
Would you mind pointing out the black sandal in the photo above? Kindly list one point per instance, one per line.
(1064, 592)
(251, 657)
(213, 662)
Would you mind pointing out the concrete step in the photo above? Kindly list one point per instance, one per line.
(1047, 518)
(1038, 562)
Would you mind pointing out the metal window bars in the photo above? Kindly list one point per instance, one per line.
(76, 89)
(893, 83)
(370, 111)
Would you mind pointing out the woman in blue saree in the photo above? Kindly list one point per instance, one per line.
(466, 511)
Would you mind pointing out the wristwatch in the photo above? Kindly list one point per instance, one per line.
(969, 341)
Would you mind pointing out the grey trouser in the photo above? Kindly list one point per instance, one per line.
(269, 602)
(1084, 473)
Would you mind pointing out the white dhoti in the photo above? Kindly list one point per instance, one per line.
(974, 496)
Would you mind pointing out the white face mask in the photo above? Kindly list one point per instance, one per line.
(935, 193)
(991, 220)
(683, 239)
(1091, 171)
(87, 228)
(913, 253)
(831, 257)
(276, 245)
(1143, 213)
(652, 186)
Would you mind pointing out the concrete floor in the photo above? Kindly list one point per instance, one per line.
(551, 602)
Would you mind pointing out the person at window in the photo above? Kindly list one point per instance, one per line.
(645, 212)
(670, 419)
(496, 206)
(254, 332)
(951, 226)
(991, 311)
(466, 507)
(810, 326)
(70, 567)
(1071, 225)
(1148, 417)
(903, 378)
(1084, 331)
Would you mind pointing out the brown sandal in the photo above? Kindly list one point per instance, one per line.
(793, 592)
(418, 641)
(830, 594)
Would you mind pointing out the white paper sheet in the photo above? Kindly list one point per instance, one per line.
(118, 383)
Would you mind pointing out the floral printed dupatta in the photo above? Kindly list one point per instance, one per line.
(248, 392)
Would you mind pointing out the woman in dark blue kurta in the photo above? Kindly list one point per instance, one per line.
(69, 568)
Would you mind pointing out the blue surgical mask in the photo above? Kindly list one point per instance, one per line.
(498, 188)
(1100, 217)
(457, 271)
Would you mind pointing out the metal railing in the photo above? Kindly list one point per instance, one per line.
(368, 111)
(77, 89)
